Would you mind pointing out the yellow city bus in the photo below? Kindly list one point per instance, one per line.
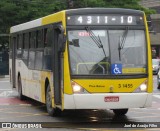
(91, 58)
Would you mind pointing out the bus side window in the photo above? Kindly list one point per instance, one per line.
(19, 42)
(32, 40)
(26, 41)
(19, 45)
(32, 44)
(48, 37)
(39, 42)
(25, 48)
(45, 37)
(39, 50)
(47, 64)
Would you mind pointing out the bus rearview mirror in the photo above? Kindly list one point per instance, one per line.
(61, 42)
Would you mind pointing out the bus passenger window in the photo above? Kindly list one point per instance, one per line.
(48, 37)
(45, 37)
(25, 41)
(19, 46)
(39, 43)
(31, 59)
(19, 42)
(32, 40)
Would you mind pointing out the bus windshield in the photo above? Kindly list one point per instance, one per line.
(121, 52)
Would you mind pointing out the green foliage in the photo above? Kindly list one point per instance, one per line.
(88, 3)
(13, 12)
(131, 4)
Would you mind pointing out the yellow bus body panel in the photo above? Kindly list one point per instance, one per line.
(67, 78)
(54, 18)
(110, 85)
(150, 75)
(133, 70)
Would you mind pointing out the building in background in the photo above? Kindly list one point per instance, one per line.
(155, 18)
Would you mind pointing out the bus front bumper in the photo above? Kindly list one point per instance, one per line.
(101, 101)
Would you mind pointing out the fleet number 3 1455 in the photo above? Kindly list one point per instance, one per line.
(125, 85)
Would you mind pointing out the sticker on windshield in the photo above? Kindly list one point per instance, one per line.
(116, 69)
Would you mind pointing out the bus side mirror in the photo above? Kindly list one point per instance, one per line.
(150, 26)
(61, 39)
(74, 42)
(61, 42)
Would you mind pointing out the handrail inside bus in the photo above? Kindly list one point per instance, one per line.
(94, 63)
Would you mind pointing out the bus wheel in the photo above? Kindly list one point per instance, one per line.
(51, 111)
(158, 87)
(20, 95)
(120, 112)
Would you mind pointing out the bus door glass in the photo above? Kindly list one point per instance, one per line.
(13, 61)
(58, 49)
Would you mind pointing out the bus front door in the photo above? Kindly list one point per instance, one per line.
(58, 64)
(14, 62)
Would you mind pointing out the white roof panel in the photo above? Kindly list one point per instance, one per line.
(27, 25)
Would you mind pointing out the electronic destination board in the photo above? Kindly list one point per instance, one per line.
(105, 20)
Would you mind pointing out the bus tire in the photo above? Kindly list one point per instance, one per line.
(20, 95)
(51, 111)
(120, 112)
(158, 87)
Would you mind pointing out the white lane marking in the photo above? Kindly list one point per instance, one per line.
(4, 81)
(157, 96)
(7, 93)
(5, 89)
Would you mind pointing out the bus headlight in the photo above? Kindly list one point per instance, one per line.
(142, 87)
(77, 88)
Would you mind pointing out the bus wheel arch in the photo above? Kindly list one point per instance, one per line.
(46, 85)
(48, 100)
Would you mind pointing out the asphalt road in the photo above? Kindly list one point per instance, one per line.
(26, 113)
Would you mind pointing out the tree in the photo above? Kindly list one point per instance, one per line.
(13, 12)
(131, 4)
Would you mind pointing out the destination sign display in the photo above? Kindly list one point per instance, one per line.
(105, 20)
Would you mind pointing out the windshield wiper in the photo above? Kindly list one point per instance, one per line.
(122, 41)
(96, 39)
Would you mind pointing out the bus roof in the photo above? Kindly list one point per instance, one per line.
(56, 18)
(38, 22)
(103, 10)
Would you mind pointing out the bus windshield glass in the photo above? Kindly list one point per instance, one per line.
(107, 52)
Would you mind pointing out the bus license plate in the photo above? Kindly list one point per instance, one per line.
(111, 99)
